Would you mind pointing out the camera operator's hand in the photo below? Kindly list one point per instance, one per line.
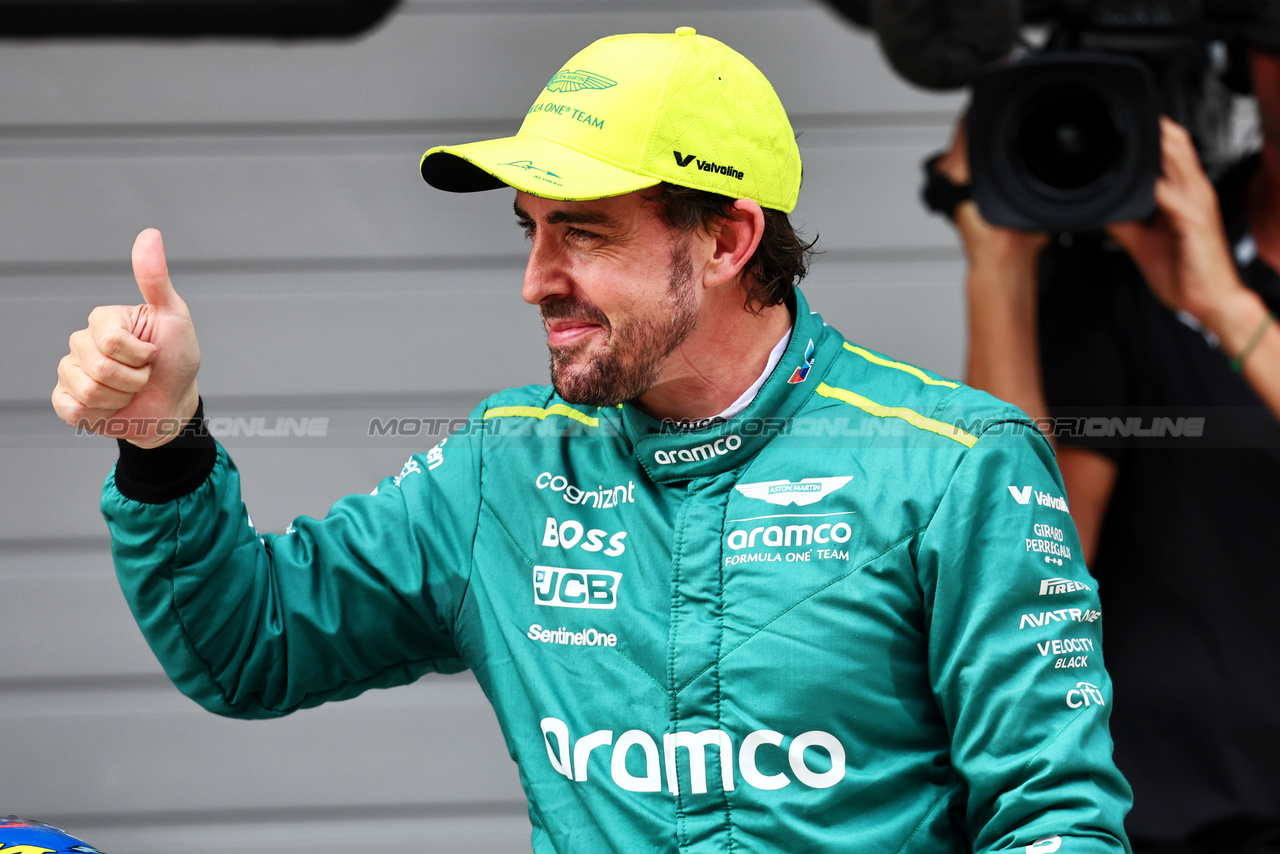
(1001, 291)
(1183, 253)
(984, 243)
(1185, 258)
(131, 373)
(1003, 338)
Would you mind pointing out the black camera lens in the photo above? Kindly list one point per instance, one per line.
(1064, 142)
(1068, 139)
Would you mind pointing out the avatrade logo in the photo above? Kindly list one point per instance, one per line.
(1051, 586)
(802, 372)
(1022, 495)
(575, 81)
(718, 448)
(561, 587)
(1062, 615)
(1044, 845)
(810, 490)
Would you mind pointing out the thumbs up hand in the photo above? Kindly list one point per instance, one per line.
(131, 373)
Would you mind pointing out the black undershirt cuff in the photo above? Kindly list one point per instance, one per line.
(176, 468)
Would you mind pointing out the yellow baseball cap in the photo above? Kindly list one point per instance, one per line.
(632, 111)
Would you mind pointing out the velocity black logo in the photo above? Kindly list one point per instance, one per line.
(683, 160)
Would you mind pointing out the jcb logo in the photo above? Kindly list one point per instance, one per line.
(575, 588)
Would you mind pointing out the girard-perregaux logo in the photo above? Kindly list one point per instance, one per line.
(575, 81)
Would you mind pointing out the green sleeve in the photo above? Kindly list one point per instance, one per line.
(258, 625)
(1015, 654)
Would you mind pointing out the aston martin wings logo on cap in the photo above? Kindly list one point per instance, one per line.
(527, 165)
(810, 490)
(573, 81)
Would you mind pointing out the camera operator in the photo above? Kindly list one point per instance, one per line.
(1173, 315)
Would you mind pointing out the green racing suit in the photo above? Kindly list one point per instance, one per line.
(854, 617)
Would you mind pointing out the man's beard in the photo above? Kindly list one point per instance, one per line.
(634, 349)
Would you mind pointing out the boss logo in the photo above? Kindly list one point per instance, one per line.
(571, 534)
(561, 587)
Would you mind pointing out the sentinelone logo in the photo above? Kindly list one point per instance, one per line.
(571, 758)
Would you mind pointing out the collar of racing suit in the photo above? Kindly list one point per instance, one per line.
(671, 453)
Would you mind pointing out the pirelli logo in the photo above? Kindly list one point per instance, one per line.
(1052, 586)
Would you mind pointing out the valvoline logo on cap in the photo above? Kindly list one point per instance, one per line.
(574, 81)
(802, 373)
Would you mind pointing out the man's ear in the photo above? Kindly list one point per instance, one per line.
(735, 239)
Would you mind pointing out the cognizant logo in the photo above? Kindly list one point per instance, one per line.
(718, 448)
(572, 758)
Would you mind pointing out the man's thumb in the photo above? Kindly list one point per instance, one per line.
(151, 270)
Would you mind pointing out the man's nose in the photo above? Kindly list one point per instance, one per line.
(545, 275)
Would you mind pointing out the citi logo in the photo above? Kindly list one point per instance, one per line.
(1022, 495)
(561, 587)
(1084, 694)
(810, 490)
(573, 758)
(710, 450)
(683, 161)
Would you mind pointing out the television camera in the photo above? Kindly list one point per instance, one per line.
(1063, 125)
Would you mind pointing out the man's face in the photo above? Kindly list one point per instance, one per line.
(617, 291)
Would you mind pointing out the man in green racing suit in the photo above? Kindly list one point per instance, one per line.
(732, 583)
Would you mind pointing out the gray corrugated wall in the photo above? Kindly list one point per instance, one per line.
(328, 282)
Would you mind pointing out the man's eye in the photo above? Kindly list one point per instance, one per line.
(579, 234)
(526, 225)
